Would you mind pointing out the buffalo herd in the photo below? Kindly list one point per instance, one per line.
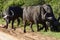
(38, 14)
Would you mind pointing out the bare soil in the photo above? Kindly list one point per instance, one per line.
(20, 35)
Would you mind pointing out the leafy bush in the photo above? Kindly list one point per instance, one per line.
(54, 3)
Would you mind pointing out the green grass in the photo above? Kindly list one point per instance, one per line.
(49, 33)
(53, 34)
(2, 21)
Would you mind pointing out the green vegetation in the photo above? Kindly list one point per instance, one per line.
(52, 34)
(54, 3)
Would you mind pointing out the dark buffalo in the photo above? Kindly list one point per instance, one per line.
(50, 17)
(11, 14)
(34, 14)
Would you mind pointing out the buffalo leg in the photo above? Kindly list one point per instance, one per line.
(41, 27)
(31, 26)
(46, 27)
(37, 25)
(12, 24)
(6, 25)
(24, 23)
(18, 20)
(7, 22)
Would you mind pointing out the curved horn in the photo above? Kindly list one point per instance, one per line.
(12, 12)
(43, 13)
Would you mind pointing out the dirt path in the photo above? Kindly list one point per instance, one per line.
(4, 36)
(8, 34)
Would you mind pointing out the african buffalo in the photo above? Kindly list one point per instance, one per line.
(50, 17)
(34, 14)
(11, 14)
(42, 14)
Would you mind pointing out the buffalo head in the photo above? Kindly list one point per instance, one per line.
(55, 25)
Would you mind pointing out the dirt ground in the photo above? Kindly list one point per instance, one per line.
(20, 35)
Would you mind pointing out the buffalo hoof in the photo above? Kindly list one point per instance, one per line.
(24, 31)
